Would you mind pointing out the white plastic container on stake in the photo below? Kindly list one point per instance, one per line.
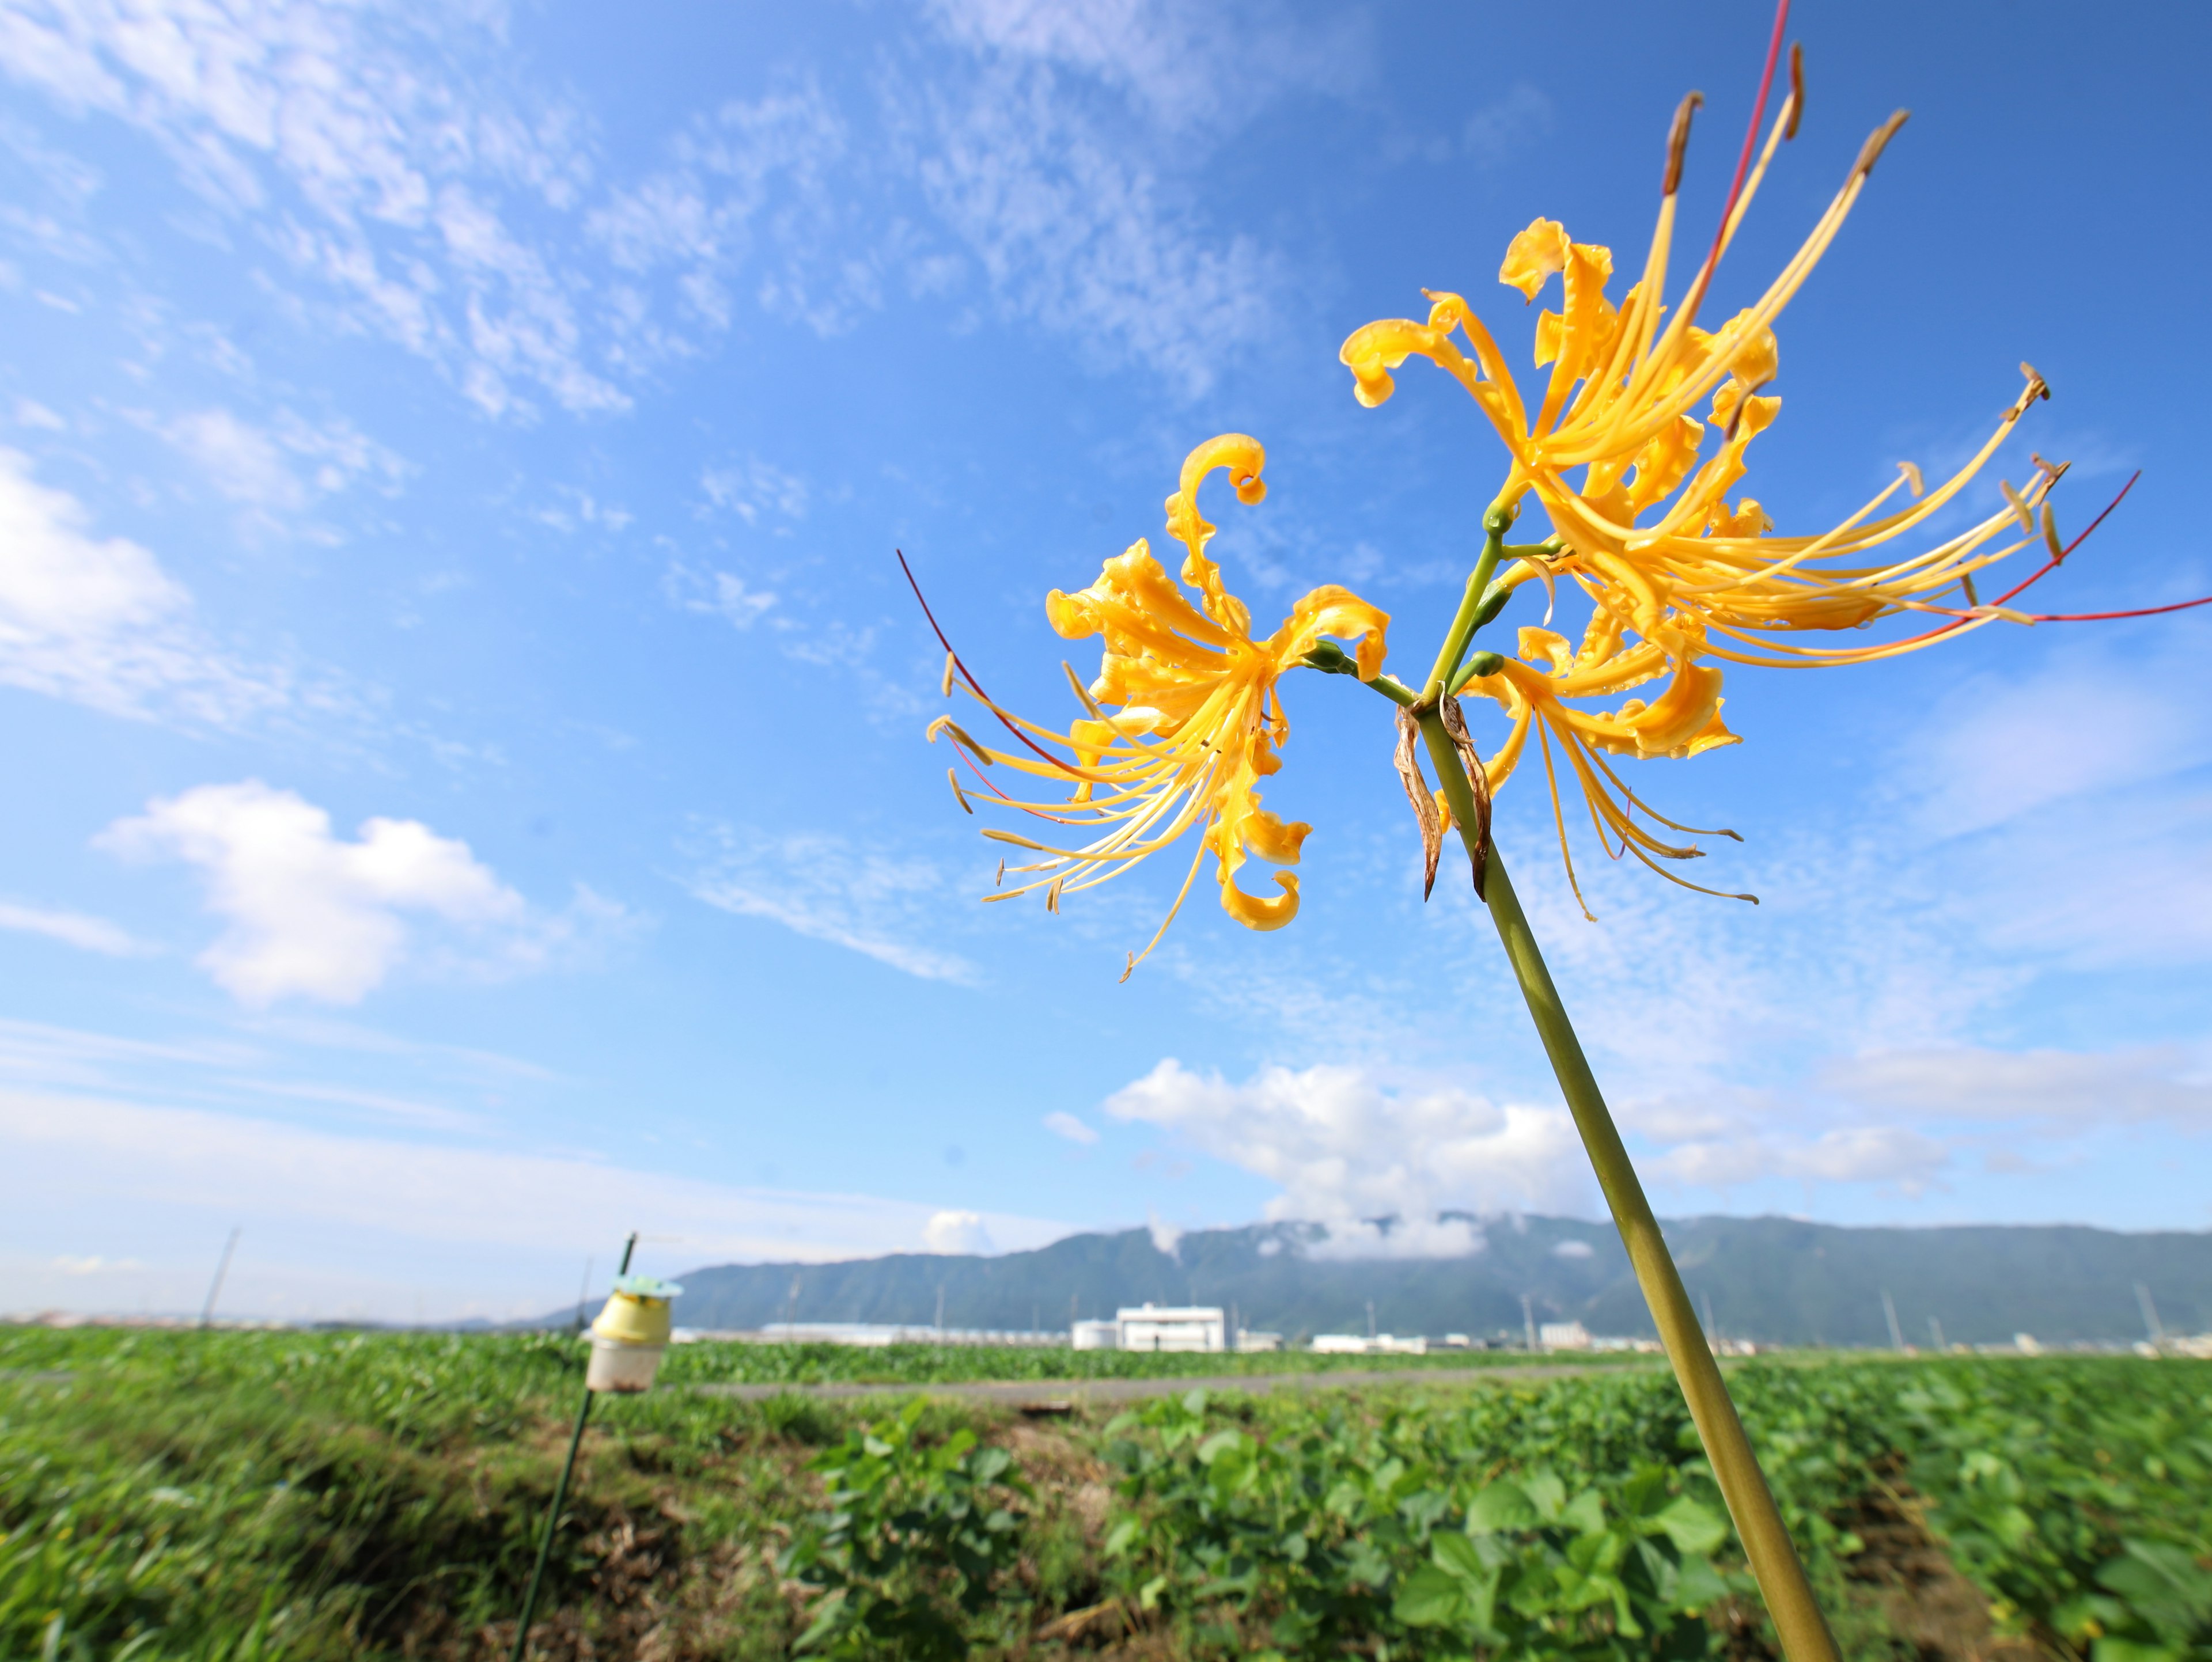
(630, 1336)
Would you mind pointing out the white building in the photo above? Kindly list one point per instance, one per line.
(1172, 1327)
(1563, 1336)
(1379, 1344)
(1096, 1336)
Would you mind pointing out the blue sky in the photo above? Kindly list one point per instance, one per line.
(465, 721)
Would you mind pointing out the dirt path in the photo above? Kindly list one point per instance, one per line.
(1071, 1394)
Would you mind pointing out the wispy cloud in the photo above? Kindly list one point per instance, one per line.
(338, 1205)
(830, 890)
(74, 929)
(277, 471)
(99, 623)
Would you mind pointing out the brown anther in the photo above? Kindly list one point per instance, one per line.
(958, 795)
(2051, 533)
(1966, 582)
(2055, 470)
(1796, 91)
(1678, 141)
(1877, 142)
(1052, 895)
(944, 688)
(1001, 875)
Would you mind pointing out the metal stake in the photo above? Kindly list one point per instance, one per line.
(222, 1268)
(560, 1499)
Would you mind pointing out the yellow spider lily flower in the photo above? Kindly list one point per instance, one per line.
(1199, 718)
(1646, 530)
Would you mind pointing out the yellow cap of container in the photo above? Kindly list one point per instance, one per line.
(638, 1311)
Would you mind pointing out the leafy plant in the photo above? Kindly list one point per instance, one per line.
(915, 1541)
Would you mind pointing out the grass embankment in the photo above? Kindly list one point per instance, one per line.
(236, 1495)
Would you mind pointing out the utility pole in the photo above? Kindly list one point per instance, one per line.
(222, 1269)
(791, 1306)
(1889, 1314)
(1712, 1327)
(2150, 1314)
(1528, 1320)
(1236, 1326)
(1370, 1318)
(940, 1310)
(1935, 1333)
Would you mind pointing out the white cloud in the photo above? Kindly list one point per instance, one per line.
(282, 468)
(1067, 1125)
(2003, 748)
(1347, 1151)
(73, 929)
(307, 914)
(376, 151)
(1574, 1249)
(99, 623)
(752, 488)
(1185, 64)
(827, 889)
(1894, 1156)
(339, 1223)
(716, 594)
(1509, 123)
(762, 180)
(1077, 234)
(962, 1233)
(2069, 1090)
(1167, 1238)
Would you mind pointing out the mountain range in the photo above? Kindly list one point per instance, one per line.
(1771, 1279)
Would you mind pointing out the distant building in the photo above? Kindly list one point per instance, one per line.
(1096, 1336)
(1172, 1327)
(1379, 1344)
(1563, 1336)
(1248, 1340)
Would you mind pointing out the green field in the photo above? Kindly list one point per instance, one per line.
(235, 1494)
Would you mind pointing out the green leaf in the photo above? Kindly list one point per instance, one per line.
(1699, 1585)
(1220, 1443)
(2110, 1649)
(1547, 1493)
(1502, 1506)
(1692, 1525)
(1429, 1597)
(1456, 1554)
(1122, 1536)
(1585, 1515)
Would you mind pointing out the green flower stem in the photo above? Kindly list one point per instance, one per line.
(1797, 1618)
